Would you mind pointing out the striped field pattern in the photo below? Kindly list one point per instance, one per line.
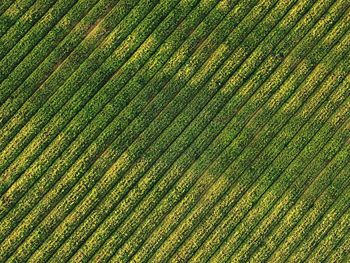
(175, 131)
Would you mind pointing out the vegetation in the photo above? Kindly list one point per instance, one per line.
(174, 130)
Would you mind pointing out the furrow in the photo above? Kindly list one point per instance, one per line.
(12, 13)
(27, 32)
(185, 228)
(323, 225)
(73, 95)
(51, 56)
(328, 243)
(111, 128)
(222, 209)
(138, 145)
(190, 198)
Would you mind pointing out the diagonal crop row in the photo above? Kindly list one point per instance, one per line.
(264, 228)
(67, 135)
(323, 226)
(238, 253)
(314, 191)
(257, 239)
(111, 126)
(58, 67)
(4, 5)
(192, 43)
(190, 220)
(131, 177)
(58, 117)
(34, 14)
(84, 233)
(289, 199)
(215, 258)
(74, 93)
(17, 42)
(34, 45)
(174, 130)
(203, 183)
(180, 100)
(49, 56)
(226, 224)
(342, 250)
(310, 205)
(12, 13)
(172, 153)
(268, 180)
(337, 232)
(202, 230)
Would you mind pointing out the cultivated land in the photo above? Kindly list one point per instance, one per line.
(174, 130)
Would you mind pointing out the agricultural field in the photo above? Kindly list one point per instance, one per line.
(175, 131)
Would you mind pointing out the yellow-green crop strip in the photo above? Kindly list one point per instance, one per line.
(174, 131)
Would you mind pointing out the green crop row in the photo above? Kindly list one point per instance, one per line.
(34, 47)
(235, 240)
(23, 24)
(39, 140)
(69, 133)
(26, 33)
(115, 37)
(4, 5)
(239, 252)
(342, 251)
(221, 209)
(257, 238)
(328, 242)
(139, 210)
(268, 177)
(288, 199)
(101, 123)
(172, 134)
(308, 201)
(183, 229)
(228, 221)
(230, 240)
(174, 130)
(182, 119)
(112, 130)
(202, 184)
(49, 55)
(12, 13)
(307, 204)
(179, 100)
(324, 224)
(64, 87)
(328, 107)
